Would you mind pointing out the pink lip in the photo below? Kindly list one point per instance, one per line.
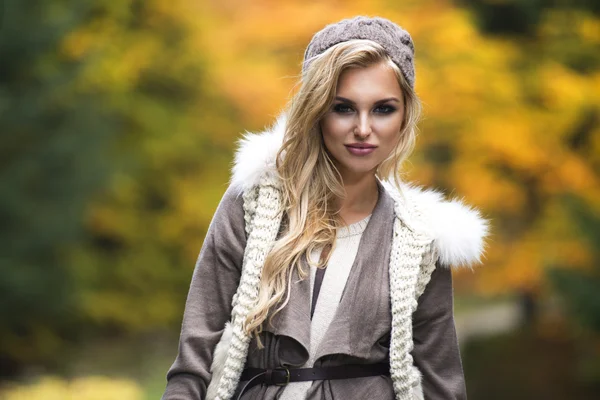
(360, 149)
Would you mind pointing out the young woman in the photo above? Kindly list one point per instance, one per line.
(334, 274)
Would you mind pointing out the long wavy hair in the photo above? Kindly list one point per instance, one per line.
(310, 181)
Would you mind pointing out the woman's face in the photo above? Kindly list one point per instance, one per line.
(363, 125)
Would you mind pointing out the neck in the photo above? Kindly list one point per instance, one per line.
(360, 200)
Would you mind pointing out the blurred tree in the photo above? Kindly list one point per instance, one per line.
(579, 290)
(118, 120)
(54, 142)
(520, 17)
(144, 232)
(505, 122)
(114, 152)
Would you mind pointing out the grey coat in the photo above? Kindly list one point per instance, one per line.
(359, 332)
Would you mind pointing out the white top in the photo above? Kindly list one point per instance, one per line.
(338, 269)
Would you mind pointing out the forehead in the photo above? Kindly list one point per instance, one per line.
(369, 83)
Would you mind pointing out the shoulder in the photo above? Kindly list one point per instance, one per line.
(232, 200)
(230, 211)
(229, 217)
(458, 230)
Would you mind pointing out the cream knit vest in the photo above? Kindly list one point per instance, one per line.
(412, 260)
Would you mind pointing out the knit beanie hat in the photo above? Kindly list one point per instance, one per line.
(395, 40)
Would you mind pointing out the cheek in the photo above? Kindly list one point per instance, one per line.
(389, 132)
(335, 128)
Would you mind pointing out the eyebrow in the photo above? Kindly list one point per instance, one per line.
(340, 98)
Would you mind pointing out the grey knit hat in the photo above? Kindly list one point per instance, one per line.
(395, 40)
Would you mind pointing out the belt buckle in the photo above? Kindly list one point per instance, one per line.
(287, 376)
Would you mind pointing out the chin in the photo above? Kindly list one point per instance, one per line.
(354, 170)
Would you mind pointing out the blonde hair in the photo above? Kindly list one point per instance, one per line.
(310, 181)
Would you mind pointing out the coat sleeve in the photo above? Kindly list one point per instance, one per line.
(436, 353)
(208, 306)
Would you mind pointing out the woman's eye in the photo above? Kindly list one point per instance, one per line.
(384, 109)
(342, 108)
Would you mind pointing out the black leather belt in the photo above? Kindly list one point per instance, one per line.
(283, 376)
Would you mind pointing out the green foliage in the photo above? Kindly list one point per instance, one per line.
(508, 17)
(53, 145)
(142, 235)
(520, 17)
(109, 146)
(578, 288)
(118, 118)
(580, 291)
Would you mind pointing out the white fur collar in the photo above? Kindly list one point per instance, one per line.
(458, 230)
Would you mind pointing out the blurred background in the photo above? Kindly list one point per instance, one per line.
(118, 122)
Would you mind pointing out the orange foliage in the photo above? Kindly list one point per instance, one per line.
(506, 115)
(473, 97)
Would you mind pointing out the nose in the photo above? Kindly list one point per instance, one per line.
(363, 129)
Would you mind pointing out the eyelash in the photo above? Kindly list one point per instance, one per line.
(342, 108)
(388, 109)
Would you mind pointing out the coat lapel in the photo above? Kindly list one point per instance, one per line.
(364, 310)
(294, 319)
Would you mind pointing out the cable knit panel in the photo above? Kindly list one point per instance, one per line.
(411, 265)
(263, 219)
(408, 248)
